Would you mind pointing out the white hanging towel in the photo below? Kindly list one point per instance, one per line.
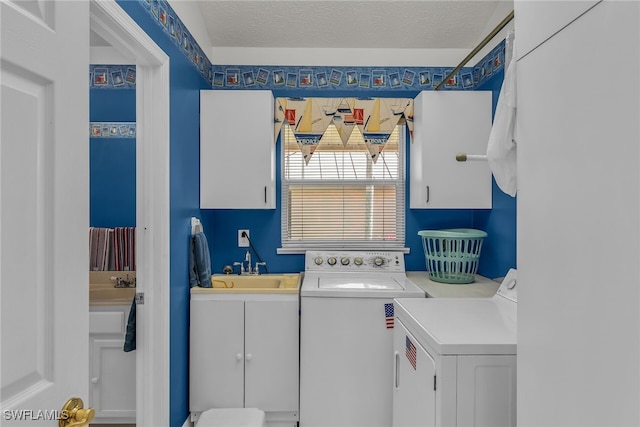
(501, 149)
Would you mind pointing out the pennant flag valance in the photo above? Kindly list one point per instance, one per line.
(344, 120)
(309, 118)
(376, 118)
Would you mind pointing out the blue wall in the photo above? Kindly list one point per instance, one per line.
(499, 249)
(112, 162)
(221, 225)
(498, 253)
(185, 84)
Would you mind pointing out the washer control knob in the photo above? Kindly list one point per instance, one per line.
(357, 261)
(318, 260)
(332, 260)
(344, 261)
(378, 261)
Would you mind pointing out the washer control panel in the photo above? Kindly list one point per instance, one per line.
(369, 261)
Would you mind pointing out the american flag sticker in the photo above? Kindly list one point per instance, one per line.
(410, 352)
(388, 314)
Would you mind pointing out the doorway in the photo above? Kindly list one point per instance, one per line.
(111, 23)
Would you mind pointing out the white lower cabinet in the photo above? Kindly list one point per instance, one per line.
(112, 372)
(450, 390)
(244, 353)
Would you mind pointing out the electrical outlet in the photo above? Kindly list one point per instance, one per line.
(243, 242)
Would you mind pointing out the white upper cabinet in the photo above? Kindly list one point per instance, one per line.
(447, 123)
(237, 150)
(538, 20)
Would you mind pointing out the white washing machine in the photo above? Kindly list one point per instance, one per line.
(455, 360)
(346, 336)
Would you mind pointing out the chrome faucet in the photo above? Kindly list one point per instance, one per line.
(124, 283)
(256, 270)
(241, 266)
(248, 270)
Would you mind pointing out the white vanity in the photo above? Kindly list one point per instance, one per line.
(244, 346)
(112, 372)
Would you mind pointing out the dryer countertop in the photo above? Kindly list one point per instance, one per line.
(481, 288)
(461, 325)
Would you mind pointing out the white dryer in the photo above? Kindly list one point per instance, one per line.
(346, 336)
(455, 360)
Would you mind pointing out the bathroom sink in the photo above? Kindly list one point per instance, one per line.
(264, 283)
(102, 290)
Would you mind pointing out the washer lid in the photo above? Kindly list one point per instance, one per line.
(359, 282)
(359, 285)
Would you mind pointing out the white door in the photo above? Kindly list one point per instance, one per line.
(486, 390)
(44, 215)
(271, 355)
(216, 368)
(113, 380)
(414, 395)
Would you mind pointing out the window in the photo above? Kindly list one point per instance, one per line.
(342, 199)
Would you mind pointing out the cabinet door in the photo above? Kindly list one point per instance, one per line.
(578, 170)
(486, 391)
(112, 392)
(447, 123)
(217, 355)
(414, 395)
(237, 150)
(271, 351)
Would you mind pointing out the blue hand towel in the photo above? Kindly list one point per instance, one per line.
(200, 262)
(130, 336)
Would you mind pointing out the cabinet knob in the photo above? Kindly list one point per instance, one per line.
(94, 380)
(239, 356)
(249, 356)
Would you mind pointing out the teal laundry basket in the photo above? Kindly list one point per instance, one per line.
(452, 255)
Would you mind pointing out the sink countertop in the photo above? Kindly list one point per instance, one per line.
(100, 294)
(291, 285)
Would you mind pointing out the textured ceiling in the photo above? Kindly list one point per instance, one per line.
(417, 24)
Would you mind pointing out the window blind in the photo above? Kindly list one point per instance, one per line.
(342, 199)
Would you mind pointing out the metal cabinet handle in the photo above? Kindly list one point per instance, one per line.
(249, 357)
(94, 380)
(265, 194)
(427, 194)
(239, 356)
(397, 370)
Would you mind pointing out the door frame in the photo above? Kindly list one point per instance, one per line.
(112, 23)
